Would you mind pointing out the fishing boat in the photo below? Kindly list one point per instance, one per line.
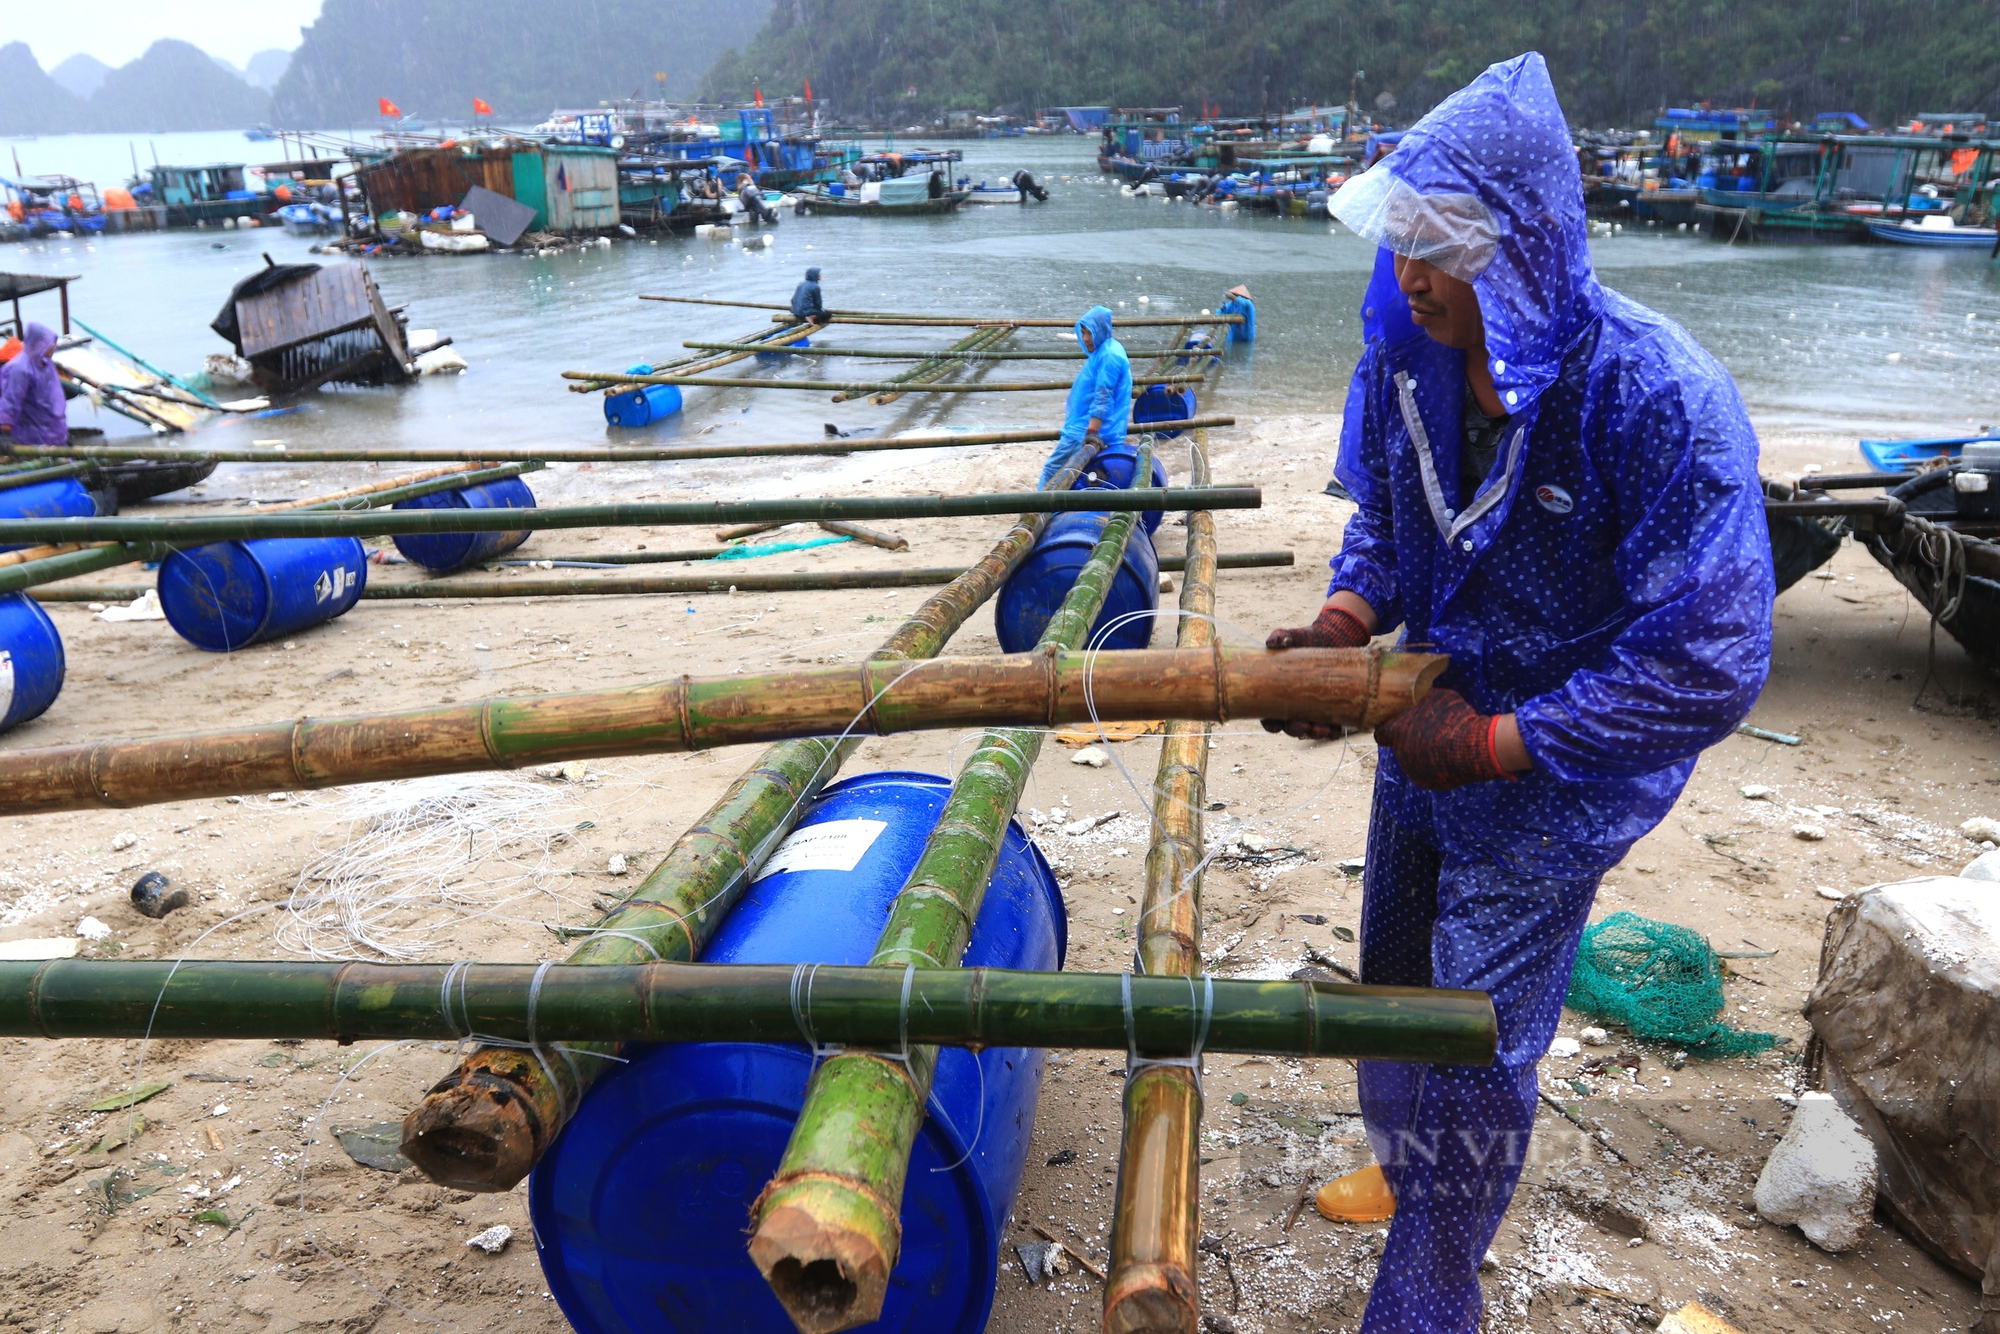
(984, 193)
(1832, 187)
(1936, 230)
(309, 219)
(1136, 141)
(1908, 455)
(1948, 558)
(902, 196)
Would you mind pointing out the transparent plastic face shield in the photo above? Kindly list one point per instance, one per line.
(1455, 232)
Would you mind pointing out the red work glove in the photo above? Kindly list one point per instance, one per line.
(1444, 742)
(1332, 628)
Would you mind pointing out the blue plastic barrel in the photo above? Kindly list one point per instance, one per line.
(449, 551)
(230, 595)
(642, 405)
(640, 1206)
(783, 356)
(1113, 469)
(1033, 593)
(1163, 403)
(63, 498)
(31, 660)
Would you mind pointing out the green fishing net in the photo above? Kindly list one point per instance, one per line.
(1661, 981)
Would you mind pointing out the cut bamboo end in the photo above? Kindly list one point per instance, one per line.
(826, 1247)
(476, 1132)
(1152, 1299)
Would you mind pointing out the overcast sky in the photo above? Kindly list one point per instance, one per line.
(116, 31)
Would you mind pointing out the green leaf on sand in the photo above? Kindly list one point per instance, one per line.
(131, 1096)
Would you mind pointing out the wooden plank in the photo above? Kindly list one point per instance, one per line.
(335, 298)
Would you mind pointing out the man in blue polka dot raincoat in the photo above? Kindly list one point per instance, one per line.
(1557, 487)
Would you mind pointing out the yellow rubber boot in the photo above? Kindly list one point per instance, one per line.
(1358, 1197)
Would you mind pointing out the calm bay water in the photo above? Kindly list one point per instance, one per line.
(1846, 340)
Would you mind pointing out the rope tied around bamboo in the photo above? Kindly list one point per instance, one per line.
(828, 1227)
(488, 1122)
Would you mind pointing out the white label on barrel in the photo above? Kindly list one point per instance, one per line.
(6, 682)
(837, 845)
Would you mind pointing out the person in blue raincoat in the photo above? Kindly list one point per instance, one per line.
(31, 394)
(1100, 398)
(1557, 487)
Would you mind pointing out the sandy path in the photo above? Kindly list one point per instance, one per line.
(366, 1250)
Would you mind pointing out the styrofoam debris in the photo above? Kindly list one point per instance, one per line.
(617, 865)
(1594, 1036)
(145, 607)
(1981, 829)
(493, 1240)
(1831, 892)
(1094, 756)
(92, 929)
(1757, 792)
(1565, 1048)
(124, 841)
(1821, 1177)
(1810, 833)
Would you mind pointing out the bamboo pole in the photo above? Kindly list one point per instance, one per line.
(1343, 687)
(689, 1002)
(195, 530)
(726, 577)
(67, 562)
(892, 317)
(827, 1228)
(932, 369)
(874, 537)
(858, 388)
(577, 454)
(488, 1122)
(1154, 1283)
(895, 354)
(755, 343)
(33, 476)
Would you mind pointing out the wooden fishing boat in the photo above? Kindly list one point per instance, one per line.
(895, 198)
(1936, 230)
(1957, 577)
(984, 193)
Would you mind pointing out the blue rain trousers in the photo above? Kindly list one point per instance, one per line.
(1101, 390)
(1452, 1139)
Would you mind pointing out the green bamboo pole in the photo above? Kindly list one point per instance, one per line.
(756, 342)
(575, 454)
(68, 565)
(195, 530)
(487, 1123)
(35, 476)
(857, 388)
(892, 317)
(827, 1228)
(1056, 353)
(932, 369)
(1154, 1285)
(221, 1000)
(445, 589)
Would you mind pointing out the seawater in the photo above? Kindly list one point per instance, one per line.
(1848, 341)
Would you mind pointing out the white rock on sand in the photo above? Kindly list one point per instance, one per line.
(1821, 1177)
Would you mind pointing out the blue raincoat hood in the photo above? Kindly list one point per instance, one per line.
(1097, 320)
(1503, 139)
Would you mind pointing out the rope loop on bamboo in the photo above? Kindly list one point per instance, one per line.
(467, 1032)
(1200, 1013)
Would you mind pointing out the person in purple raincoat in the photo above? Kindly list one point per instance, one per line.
(31, 396)
(1558, 488)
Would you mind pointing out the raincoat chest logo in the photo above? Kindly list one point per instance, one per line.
(1554, 499)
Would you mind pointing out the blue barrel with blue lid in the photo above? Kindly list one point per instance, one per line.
(640, 1206)
(1162, 403)
(63, 498)
(230, 595)
(1113, 469)
(1034, 592)
(450, 551)
(642, 404)
(31, 660)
